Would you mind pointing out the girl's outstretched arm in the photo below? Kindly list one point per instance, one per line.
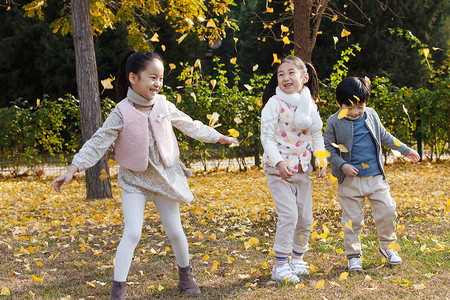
(228, 140)
(65, 178)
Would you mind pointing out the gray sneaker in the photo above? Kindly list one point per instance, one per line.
(355, 264)
(391, 256)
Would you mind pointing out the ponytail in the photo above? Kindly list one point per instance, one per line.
(122, 78)
(132, 62)
(313, 83)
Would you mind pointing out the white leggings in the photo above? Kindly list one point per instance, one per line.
(133, 213)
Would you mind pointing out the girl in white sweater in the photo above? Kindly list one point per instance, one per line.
(291, 129)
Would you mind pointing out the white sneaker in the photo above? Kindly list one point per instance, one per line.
(355, 264)
(284, 274)
(391, 256)
(298, 266)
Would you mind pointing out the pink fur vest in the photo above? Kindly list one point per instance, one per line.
(132, 144)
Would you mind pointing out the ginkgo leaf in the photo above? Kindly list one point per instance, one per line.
(233, 132)
(426, 52)
(107, 84)
(160, 287)
(284, 28)
(37, 278)
(194, 96)
(286, 40)
(322, 156)
(276, 60)
(264, 265)
(255, 67)
(211, 23)
(163, 47)
(103, 175)
(333, 179)
(269, 9)
(343, 276)
(198, 63)
(181, 38)
(5, 291)
(364, 166)
(205, 257)
(341, 147)
(320, 284)
(342, 113)
(215, 265)
(400, 228)
(394, 246)
(233, 60)
(248, 87)
(335, 39)
(172, 66)
(237, 120)
(154, 38)
(419, 286)
(111, 163)
(348, 225)
(299, 286)
(397, 143)
(345, 33)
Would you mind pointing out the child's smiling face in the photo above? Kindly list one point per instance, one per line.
(290, 78)
(354, 111)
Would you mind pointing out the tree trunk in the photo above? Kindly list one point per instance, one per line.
(88, 93)
(302, 30)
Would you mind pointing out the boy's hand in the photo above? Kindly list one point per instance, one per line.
(349, 170)
(228, 140)
(413, 156)
(285, 170)
(322, 173)
(64, 179)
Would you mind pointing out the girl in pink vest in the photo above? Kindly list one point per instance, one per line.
(291, 129)
(145, 147)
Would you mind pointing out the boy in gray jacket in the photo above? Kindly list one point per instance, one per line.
(354, 136)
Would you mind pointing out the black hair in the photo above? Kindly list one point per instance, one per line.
(132, 62)
(352, 91)
(306, 67)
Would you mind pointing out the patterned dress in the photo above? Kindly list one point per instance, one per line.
(169, 182)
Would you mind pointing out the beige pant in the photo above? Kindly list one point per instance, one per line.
(293, 204)
(351, 194)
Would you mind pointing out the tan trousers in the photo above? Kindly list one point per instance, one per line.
(293, 204)
(351, 194)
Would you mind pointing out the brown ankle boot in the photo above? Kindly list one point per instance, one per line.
(187, 284)
(118, 291)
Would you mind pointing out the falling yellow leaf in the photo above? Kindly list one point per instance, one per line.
(286, 40)
(343, 113)
(154, 38)
(213, 82)
(213, 119)
(335, 39)
(397, 143)
(255, 67)
(320, 284)
(103, 175)
(269, 10)
(198, 63)
(163, 47)
(172, 66)
(181, 38)
(237, 120)
(233, 60)
(276, 60)
(322, 156)
(394, 246)
(345, 32)
(233, 132)
(107, 84)
(211, 23)
(38, 102)
(365, 166)
(343, 276)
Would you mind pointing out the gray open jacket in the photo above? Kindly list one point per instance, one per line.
(340, 131)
